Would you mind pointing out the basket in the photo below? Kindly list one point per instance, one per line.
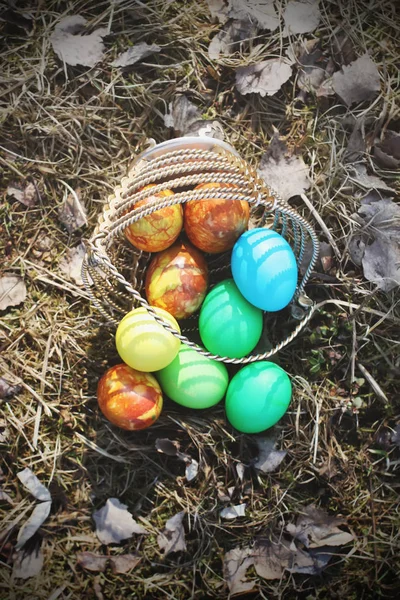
(113, 270)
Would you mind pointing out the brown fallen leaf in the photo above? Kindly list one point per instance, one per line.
(380, 258)
(76, 49)
(172, 538)
(357, 82)
(166, 446)
(92, 562)
(273, 557)
(301, 17)
(29, 562)
(71, 263)
(26, 194)
(72, 213)
(115, 523)
(387, 152)
(265, 78)
(261, 12)
(124, 563)
(366, 181)
(284, 172)
(315, 528)
(236, 564)
(227, 41)
(135, 54)
(8, 390)
(12, 291)
(269, 458)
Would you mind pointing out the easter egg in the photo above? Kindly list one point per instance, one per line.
(159, 230)
(257, 397)
(144, 344)
(128, 398)
(264, 269)
(194, 380)
(176, 280)
(214, 225)
(228, 324)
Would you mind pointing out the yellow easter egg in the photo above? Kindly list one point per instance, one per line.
(144, 344)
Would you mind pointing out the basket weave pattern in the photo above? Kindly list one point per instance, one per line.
(113, 271)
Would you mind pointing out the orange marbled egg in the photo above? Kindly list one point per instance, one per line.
(214, 225)
(157, 231)
(176, 280)
(128, 398)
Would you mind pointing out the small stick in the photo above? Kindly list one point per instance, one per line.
(323, 226)
(374, 384)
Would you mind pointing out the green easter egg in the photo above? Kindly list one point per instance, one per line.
(257, 397)
(229, 325)
(194, 380)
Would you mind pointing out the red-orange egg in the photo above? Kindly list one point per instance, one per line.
(128, 398)
(214, 225)
(176, 280)
(157, 231)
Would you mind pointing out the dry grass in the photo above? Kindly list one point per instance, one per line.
(81, 127)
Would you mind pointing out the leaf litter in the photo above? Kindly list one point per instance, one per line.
(269, 458)
(166, 446)
(97, 563)
(25, 194)
(274, 556)
(8, 390)
(265, 78)
(172, 538)
(387, 152)
(12, 291)
(28, 562)
(377, 246)
(301, 17)
(41, 511)
(284, 172)
(74, 48)
(72, 213)
(228, 39)
(71, 263)
(261, 12)
(232, 512)
(115, 523)
(357, 82)
(135, 54)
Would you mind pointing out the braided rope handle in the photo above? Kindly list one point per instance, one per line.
(178, 168)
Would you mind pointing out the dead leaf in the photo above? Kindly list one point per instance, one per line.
(124, 563)
(97, 588)
(35, 521)
(301, 17)
(92, 562)
(4, 436)
(268, 459)
(285, 173)
(315, 528)
(232, 512)
(357, 82)
(236, 564)
(33, 485)
(265, 78)
(71, 263)
(172, 538)
(204, 127)
(165, 446)
(76, 49)
(115, 523)
(228, 39)
(4, 497)
(72, 213)
(8, 390)
(356, 146)
(27, 194)
(12, 291)
(381, 264)
(182, 114)
(369, 182)
(343, 51)
(135, 54)
(240, 469)
(28, 563)
(261, 12)
(312, 71)
(387, 152)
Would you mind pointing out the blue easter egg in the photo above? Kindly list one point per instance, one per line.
(264, 269)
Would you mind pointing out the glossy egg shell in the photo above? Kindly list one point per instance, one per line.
(194, 380)
(144, 344)
(228, 324)
(257, 397)
(176, 280)
(214, 225)
(264, 269)
(160, 229)
(128, 398)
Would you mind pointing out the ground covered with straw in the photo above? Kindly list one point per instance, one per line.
(73, 130)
